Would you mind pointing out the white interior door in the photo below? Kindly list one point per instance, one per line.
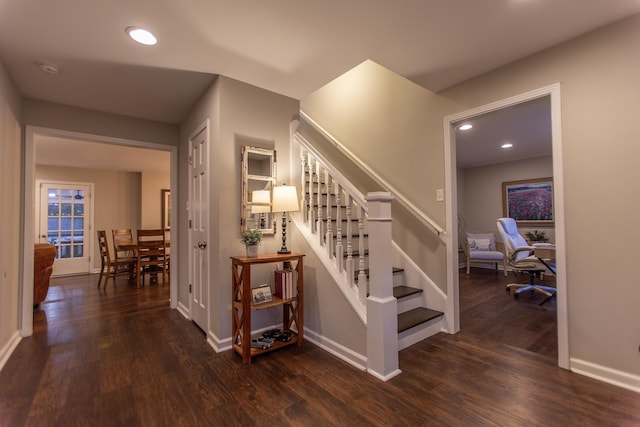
(199, 225)
(65, 221)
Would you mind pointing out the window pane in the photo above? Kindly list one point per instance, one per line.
(77, 251)
(65, 251)
(65, 223)
(53, 195)
(53, 209)
(78, 223)
(52, 224)
(52, 238)
(66, 195)
(65, 209)
(78, 209)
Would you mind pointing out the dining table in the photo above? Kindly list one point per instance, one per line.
(134, 249)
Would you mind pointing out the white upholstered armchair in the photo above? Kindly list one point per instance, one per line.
(481, 247)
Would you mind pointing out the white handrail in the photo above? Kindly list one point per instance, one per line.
(421, 216)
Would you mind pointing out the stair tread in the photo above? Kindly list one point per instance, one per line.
(405, 291)
(415, 317)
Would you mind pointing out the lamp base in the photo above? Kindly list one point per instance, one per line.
(284, 251)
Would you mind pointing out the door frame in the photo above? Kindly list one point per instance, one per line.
(26, 294)
(453, 299)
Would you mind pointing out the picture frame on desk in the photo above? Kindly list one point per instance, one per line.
(529, 201)
(261, 295)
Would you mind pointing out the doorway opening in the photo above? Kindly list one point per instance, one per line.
(552, 93)
(32, 133)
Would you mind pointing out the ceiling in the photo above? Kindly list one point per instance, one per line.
(285, 46)
(527, 126)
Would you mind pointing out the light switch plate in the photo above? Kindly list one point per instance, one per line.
(440, 194)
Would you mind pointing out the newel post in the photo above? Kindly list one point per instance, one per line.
(382, 309)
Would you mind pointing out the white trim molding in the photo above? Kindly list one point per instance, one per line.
(26, 292)
(9, 348)
(453, 306)
(354, 359)
(605, 374)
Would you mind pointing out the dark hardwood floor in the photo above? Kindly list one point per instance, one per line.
(487, 311)
(121, 357)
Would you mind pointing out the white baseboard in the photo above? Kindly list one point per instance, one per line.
(605, 374)
(218, 345)
(9, 348)
(354, 359)
(184, 310)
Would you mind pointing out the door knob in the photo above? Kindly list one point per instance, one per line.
(202, 245)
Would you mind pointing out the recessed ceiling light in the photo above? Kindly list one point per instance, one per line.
(507, 145)
(49, 68)
(465, 126)
(141, 35)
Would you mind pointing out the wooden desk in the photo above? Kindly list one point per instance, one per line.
(547, 256)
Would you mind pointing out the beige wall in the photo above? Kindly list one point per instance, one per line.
(116, 199)
(10, 218)
(481, 192)
(238, 113)
(600, 95)
(395, 128)
(57, 116)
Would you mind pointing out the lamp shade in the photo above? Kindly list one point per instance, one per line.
(285, 198)
(260, 201)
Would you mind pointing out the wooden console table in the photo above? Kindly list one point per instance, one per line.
(241, 305)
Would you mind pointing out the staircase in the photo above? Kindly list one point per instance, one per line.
(340, 220)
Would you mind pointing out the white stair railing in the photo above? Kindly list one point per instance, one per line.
(335, 212)
(329, 202)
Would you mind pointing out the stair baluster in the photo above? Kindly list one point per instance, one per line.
(339, 249)
(350, 270)
(329, 234)
(362, 276)
(319, 228)
(312, 209)
(303, 185)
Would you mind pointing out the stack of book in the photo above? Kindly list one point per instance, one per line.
(285, 286)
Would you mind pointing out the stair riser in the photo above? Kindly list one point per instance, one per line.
(421, 332)
(411, 302)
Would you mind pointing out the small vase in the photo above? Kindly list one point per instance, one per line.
(252, 251)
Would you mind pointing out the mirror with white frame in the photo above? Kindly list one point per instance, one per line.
(258, 179)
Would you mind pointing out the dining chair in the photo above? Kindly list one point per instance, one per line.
(112, 267)
(152, 255)
(123, 243)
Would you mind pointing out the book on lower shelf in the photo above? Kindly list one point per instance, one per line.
(285, 286)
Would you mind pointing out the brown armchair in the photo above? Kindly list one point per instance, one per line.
(44, 254)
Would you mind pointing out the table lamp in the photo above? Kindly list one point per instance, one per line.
(285, 199)
(261, 204)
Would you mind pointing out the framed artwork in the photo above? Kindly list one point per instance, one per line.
(261, 294)
(166, 209)
(529, 202)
